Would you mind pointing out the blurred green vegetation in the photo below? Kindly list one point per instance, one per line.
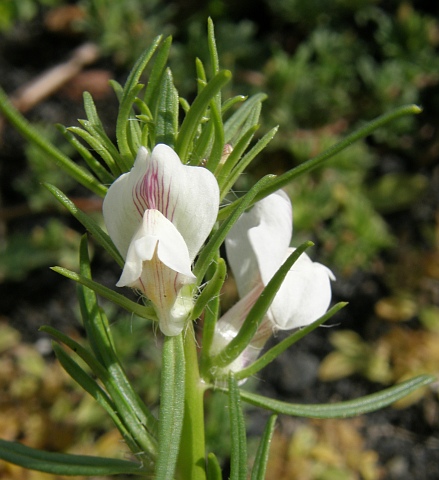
(326, 66)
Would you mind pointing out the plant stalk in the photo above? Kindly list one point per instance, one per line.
(191, 461)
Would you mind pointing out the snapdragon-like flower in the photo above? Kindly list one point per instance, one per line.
(159, 215)
(256, 247)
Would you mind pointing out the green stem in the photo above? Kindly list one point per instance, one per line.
(191, 461)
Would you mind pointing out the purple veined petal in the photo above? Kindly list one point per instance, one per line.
(187, 196)
(158, 264)
(257, 243)
(304, 296)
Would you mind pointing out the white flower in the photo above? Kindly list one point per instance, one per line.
(256, 247)
(159, 215)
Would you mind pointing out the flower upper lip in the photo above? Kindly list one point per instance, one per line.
(159, 215)
(256, 247)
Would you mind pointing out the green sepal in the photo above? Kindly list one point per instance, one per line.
(257, 313)
(193, 117)
(166, 123)
(172, 396)
(238, 450)
(280, 347)
(210, 250)
(350, 408)
(262, 454)
(213, 469)
(66, 464)
(91, 226)
(78, 173)
(117, 298)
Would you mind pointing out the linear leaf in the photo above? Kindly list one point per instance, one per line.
(117, 298)
(238, 455)
(198, 108)
(261, 460)
(254, 318)
(280, 347)
(95, 230)
(81, 175)
(65, 464)
(350, 408)
(167, 114)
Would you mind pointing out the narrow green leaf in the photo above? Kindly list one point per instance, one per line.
(198, 108)
(96, 326)
(211, 43)
(238, 119)
(91, 226)
(130, 409)
(167, 113)
(201, 74)
(91, 387)
(81, 175)
(95, 143)
(261, 459)
(117, 298)
(209, 251)
(229, 103)
(95, 127)
(202, 144)
(134, 134)
(223, 174)
(218, 142)
(93, 164)
(211, 290)
(213, 468)
(155, 78)
(283, 180)
(171, 406)
(239, 168)
(65, 464)
(130, 91)
(280, 347)
(350, 408)
(254, 318)
(238, 451)
(125, 116)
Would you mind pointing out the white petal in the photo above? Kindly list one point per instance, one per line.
(187, 196)
(257, 243)
(229, 325)
(155, 234)
(159, 265)
(304, 296)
